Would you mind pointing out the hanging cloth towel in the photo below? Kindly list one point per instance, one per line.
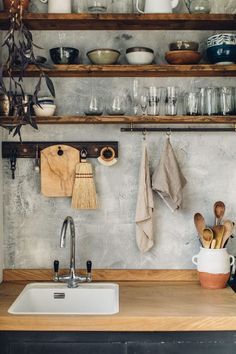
(145, 206)
(167, 180)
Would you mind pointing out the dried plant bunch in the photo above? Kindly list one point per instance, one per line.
(20, 54)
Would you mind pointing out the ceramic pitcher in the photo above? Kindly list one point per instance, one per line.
(213, 267)
(158, 6)
(58, 6)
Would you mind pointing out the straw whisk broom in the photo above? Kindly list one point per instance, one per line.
(84, 194)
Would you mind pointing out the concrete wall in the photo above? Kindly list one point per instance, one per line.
(107, 236)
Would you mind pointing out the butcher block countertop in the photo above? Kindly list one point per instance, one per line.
(144, 306)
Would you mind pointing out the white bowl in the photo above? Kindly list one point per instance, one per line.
(139, 56)
(44, 110)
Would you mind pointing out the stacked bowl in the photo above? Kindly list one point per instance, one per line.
(45, 108)
(221, 48)
(183, 52)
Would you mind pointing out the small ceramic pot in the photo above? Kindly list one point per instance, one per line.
(213, 267)
(7, 4)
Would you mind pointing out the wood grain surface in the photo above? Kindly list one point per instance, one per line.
(145, 306)
(197, 70)
(127, 120)
(58, 170)
(134, 21)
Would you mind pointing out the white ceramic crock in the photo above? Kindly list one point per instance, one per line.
(158, 6)
(58, 6)
(213, 267)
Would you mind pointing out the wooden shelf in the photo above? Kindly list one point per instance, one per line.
(201, 70)
(85, 21)
(128, 120)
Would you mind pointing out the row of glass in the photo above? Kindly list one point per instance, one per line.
(169, 101)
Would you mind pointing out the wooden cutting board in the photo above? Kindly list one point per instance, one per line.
(58, 170)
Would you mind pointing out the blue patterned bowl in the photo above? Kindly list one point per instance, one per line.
(221, 48)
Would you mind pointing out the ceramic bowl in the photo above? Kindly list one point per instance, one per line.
(103, 56)
(184, 45)
(181, 57)
(139, 55)
(221, 48)
(64, 55)
(46, 100)
(46, 110)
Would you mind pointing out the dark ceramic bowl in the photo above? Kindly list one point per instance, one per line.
(222, 54)
(64, 55)
(184, 45)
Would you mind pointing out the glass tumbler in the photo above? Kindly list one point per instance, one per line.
(208, 101)
(171, 101)
(226, 95)
(154, 97)
(94, 106)
(191, 103)
(97, 6)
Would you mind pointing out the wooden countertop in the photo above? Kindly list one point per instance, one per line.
(144, 306)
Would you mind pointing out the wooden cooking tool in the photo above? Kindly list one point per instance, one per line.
(219, 210)
(227, 232)
(200, 225)
(58, 170)
(207, 237)
(218, 235)
(213, 243)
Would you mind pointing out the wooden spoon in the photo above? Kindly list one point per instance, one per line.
(229, 225)
(213, 243)
(219, 210)
(200, 225)
(207, 237)
(218, 235)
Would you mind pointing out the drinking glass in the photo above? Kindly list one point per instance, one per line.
(208, 101)
(135, 96)
(171, 101)
(226, 95)
(97, 6)
(94, 106)
(117, 105)
(198, 6)
(191, 103)
(121, 6)
(144, 103)
(154, 97)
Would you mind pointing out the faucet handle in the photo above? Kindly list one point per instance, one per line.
(56, 266)
(89, 266)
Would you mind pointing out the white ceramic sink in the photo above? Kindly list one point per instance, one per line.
(58, 299)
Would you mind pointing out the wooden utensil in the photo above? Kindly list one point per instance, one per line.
(227, 232)
(200, 225)
(219, 210)
(218, 235)
(58, 170)
(207, 237)
(213, 243)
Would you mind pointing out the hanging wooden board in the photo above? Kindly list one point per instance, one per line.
(58, 170)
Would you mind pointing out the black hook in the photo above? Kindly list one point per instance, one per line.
(60, 152)
(83, 153)
(13, 157)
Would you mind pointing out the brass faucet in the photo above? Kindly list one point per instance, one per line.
(72, 278)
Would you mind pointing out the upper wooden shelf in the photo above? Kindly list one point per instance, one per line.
(86, 21)
(128, 120)
(200, 70)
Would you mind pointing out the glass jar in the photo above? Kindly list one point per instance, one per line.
(198, 6)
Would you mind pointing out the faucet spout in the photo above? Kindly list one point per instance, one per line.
(72, 278)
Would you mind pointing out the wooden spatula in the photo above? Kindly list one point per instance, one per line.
(218, 235)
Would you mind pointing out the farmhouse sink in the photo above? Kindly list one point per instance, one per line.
(58, 299)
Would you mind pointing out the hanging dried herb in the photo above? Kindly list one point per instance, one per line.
(20, 54)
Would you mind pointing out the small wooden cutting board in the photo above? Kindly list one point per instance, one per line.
(58, 170)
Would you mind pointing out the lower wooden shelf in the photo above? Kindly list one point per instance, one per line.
(127, 120)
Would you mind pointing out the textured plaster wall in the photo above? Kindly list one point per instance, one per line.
(107, 236)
